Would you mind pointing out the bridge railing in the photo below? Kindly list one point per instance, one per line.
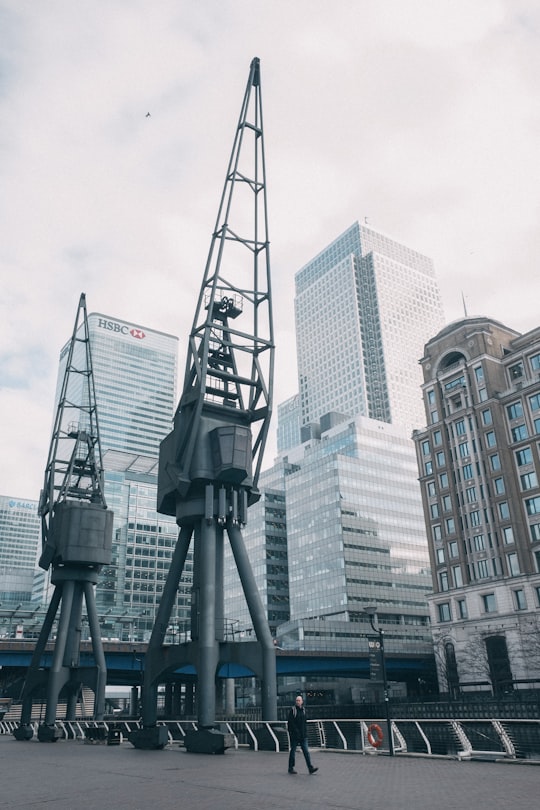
(515, 739)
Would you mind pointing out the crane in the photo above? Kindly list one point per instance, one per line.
(209, 464)
(76, 529)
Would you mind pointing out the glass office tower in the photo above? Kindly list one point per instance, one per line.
(356, 538)
(365, 307)
(347, 468)
(19, 549)
(135, 372)
(135, 377)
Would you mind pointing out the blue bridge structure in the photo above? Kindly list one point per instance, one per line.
(126, 660)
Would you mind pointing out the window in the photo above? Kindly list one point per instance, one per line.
(508, 535)
(475, 518)
(482, 569)
(486, 417)
(489, 604)
(504, 512)
(497, 566)
(523, 456)
(450, 526)
(536, 425)
(479, 374)
(535, 362)
(515, 410)
(431, 489)
(437, 437)
(440, 556)
(453, 548)
(535, 531)
(528, 480)
(537, 560)
(458, 576)
(534, 402)
(440, 459)
(460, 427)
(519, 600)
(491, 441)
(437, 532)
(434, 416)
(516, 371)
(495, 462)
(513, 564)
(498, 485)
(443, 480)
(532, 505)
(519, 433)
(464, 450)
(467, 471)
(479, 544)
(426, 448)
(428, 466)
(462, 609)
(444, 612)
(538, 595)
(443, 581)
(434, 509)
(482, 394)
(431, 397)
(447, 503)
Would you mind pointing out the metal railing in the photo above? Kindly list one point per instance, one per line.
(515, 739)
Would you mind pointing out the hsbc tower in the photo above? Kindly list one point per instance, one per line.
(135, 371)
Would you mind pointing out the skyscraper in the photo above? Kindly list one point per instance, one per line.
(480, 466)
(365, 306)
(19, 547)
(347, 467)
(135, 380)
(356, 538)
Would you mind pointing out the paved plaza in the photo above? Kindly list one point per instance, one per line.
(71, 775)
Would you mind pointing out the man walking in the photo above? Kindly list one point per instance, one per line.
(297, 728)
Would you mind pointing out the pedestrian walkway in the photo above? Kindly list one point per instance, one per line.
(70, 775)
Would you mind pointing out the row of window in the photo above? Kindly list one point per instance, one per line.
(488, 604)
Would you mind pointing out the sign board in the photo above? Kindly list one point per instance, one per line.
(375, 659)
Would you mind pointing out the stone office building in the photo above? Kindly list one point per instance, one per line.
(479, 465)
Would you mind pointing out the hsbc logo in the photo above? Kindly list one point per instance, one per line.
(120, 328)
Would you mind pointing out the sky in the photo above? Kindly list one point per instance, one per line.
(422, 116)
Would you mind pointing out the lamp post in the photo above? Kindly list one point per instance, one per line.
(374, 622)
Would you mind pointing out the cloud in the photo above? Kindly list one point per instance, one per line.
(421, 116)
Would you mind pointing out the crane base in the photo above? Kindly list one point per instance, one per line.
(49, 733)
(23, 733)
(208, 741)
(149, 739)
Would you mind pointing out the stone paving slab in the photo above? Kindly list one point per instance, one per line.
(69, 775)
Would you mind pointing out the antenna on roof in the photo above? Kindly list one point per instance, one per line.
(464, 305)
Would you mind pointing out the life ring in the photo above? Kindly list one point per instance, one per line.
(375, 735)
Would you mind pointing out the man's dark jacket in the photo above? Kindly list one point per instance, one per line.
(297, 723)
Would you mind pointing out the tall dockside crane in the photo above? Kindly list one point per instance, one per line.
(77, 537)
(209, 464)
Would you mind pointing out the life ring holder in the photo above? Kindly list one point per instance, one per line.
(375, 735)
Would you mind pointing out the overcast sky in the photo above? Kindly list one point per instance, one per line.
(421, 115)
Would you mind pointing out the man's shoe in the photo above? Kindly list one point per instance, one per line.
(312, 770)
(291, 770)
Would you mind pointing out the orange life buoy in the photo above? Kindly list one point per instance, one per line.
(375, 735)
